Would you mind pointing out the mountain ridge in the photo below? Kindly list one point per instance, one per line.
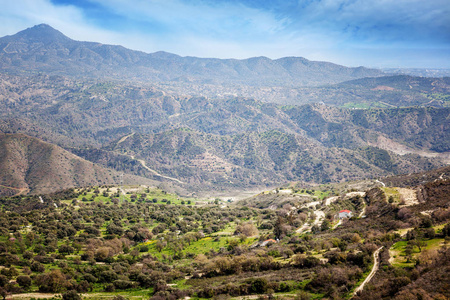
(44, 49)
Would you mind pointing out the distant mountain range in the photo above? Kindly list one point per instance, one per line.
(423, 72)
(44, 49)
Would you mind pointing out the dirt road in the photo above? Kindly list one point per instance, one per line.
(156, 173)
(320, 216)
(376, 264)
(409, 196)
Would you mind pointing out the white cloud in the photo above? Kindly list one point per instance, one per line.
(18, 15)
(348, 32)
(222, 19)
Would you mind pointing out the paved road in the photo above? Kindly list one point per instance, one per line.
(376, 264)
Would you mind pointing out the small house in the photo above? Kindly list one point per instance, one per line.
(345, 213)
(267, 242)
(263, 244)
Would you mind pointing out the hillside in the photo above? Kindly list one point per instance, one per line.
(80, 112)
(44, 49)
(29, 165)
(241, 142)
(251, 159)
(427, 184)
(128, 175)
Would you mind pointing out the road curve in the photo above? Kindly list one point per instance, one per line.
(376, 264)
(156, 173)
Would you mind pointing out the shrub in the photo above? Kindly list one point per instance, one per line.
(71, 295)
(124, 284)
(24, 281)
(109, 288)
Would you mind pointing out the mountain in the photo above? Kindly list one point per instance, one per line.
(209, 143)
(44, 49)
(29, 165)
(78, 113)
(163, 128)
(423, 72)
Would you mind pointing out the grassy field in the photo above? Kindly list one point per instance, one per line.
(398, 251)
(392, 192)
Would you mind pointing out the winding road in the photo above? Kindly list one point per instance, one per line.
(156, 173)
(376, 264)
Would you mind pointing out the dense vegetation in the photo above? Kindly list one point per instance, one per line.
(149, 243)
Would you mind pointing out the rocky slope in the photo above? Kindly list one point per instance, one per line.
(29, 165)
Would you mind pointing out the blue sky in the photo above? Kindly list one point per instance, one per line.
(374, 33)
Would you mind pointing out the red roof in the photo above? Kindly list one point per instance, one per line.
(270, 240)
(345, 211)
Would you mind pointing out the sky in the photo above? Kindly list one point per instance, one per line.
(371, 33)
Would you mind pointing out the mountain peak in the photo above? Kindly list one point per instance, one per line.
(41, 33)
(42, 26)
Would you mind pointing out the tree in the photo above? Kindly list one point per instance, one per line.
(160, 245)
(135, 252)
(430, 233)
(108, 276)
(24, 281)
(258, 285)
(418, 243)
(325, 225)
(232, 243)
(247, 229)
(410, 235)
(446, 230)
(71, 295)
(408, 252)
(278, 229)
(302, 295)
(65, 249)
(37, 267)
(3, 280)
(114, 229)
(102, 254)
(51, 282)
(3, 293)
